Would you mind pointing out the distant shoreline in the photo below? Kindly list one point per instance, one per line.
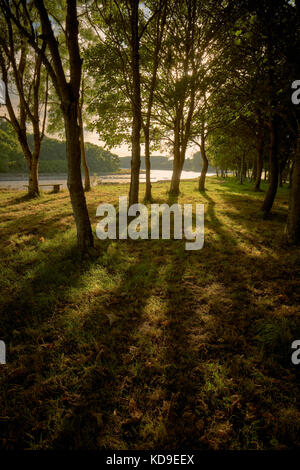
(24, 176)
(20, 181)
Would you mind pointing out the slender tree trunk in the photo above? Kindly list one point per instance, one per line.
(84, 231)
(148, 195)
(281, 170)
(33, 181)
(136, 107)
(259, 161)
(254, 170)
(135, 163)
(204, 165)
(280, 178)
(293, 220)
(242, 172)
(87, 182)
(273, 169)
(176, 175)
(290, 174)
(177, 164)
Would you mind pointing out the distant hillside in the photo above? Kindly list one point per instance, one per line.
(157, 163)
(163, 163)
(53, 155)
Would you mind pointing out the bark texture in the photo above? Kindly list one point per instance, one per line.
(273, 168)
(136, 106)
(204, 165)
(87, 181)
(293, 220)
(259, 160)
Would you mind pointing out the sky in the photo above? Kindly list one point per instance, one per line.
(125, 151)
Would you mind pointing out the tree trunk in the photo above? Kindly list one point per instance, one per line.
(33, 181)
(204, 166)
(87, 182)
(135, 163)
(282, 166)
(136, 106)
(259, 161)
(273, 169)
(148, 195)
(177, 166)
(254, 170)
(175, 181)
(290, 174)
(84, 231)
(293, 220)
(242, 172)
(280, 178)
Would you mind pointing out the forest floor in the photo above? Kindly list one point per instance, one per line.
(145, 345)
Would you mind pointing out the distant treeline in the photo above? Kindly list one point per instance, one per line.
(53, 155)
(164, 163)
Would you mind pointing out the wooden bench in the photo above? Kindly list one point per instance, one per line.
(56, 186)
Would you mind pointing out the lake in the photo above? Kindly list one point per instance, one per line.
(18, 182)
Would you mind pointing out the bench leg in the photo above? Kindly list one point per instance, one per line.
(56, 188)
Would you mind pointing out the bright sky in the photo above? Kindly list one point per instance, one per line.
(125, 151)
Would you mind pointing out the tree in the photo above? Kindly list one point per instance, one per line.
(127, 52)
(67, 89)
(22, 72)
(119, 31)
(55, 116)
(181, 64)
(187, 76)
(293, 219)
(153, 40)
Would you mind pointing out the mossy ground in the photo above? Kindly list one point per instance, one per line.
(144, 345)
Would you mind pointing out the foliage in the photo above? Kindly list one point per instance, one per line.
(11, 157)
(52, 156)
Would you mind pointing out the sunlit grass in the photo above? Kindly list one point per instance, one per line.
(145, 345)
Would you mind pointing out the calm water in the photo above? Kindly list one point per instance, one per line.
(156, 175)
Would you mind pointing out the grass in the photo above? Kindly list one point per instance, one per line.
(147, 345)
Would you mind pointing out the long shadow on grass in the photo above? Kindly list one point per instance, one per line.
(62, 386)
(26, 315)
(187, 416)
(222, 380)
(104, 414)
